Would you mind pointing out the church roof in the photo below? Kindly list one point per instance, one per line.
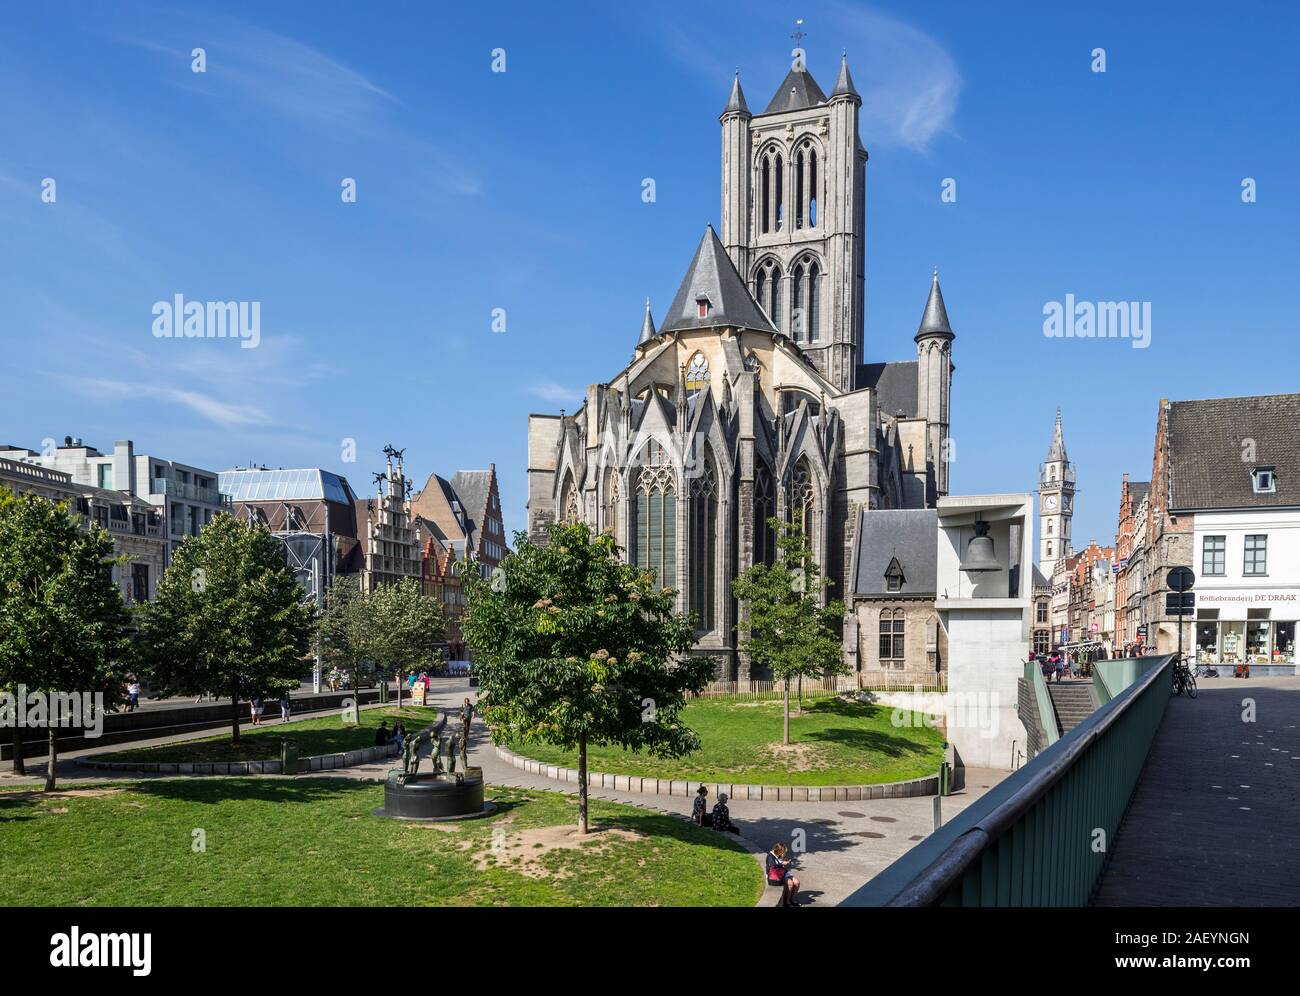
(908, 535)
(844, 85)
(797, 91)
(1057, 452)
(935, 319)
(647, 327)
(894, 384)
(713, 276)
(736, 102)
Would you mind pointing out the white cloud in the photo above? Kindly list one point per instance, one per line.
(226, 414)
(549, 390)
(908, 81)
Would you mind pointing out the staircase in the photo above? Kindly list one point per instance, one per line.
(1072, 702)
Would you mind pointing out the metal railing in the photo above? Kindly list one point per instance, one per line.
(1040, 837)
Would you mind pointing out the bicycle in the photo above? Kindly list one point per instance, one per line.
(1204, 670)
(1184, 680)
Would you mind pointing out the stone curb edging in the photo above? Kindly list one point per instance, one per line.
(770, 793)
(318, 762)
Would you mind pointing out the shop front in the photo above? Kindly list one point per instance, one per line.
(1248, 627)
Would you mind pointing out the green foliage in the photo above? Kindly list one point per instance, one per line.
(788, 631)
(572, 644)
(62, 621)
(229, 615)
(396, 628)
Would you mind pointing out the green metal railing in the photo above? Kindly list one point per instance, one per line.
(1046, 714)
(1040, 837)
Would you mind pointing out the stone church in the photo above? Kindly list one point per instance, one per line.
(753, 397)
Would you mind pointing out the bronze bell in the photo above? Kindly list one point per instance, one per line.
(979, 551)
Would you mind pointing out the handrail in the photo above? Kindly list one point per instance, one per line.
(928, 874)
(1043, 698)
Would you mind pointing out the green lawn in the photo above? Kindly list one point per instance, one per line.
(834, 742)
(314, 842)
(322, 735)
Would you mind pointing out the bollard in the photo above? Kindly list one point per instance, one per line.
(938, 812)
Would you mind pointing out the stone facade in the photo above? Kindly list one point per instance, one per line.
(752, 401)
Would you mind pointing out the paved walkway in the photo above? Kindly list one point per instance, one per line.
(1213, 820)
(846, 843)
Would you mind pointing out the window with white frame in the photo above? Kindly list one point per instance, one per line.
(1256, 558)
(1213, 555)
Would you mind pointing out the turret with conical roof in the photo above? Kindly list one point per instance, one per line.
(647, 326)
(844, 84)
(934, 382)
(736, 102)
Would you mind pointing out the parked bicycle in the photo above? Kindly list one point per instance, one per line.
(1184, 680)
(1204, 670)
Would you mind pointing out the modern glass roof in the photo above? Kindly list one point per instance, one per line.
(311, 484)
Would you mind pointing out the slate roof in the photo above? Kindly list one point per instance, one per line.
(797, 91)
(894, 384)
(1057, 450)
(647, 326)
(472, 486)
(736, 102)
(909, 534)
(844, 84)
(1139, 490)
(713, 275)
(934, 321)
(1205, 440)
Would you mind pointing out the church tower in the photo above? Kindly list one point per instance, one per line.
(794, 213)
(1055, 503)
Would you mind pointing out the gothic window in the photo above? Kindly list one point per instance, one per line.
(891, 638)
(703, 544)
(764, 509)
(812, 188)
(806, 280)
(610, 523)
(799, 187)
(654, 516)
(767, 289)
(697, 374)
(569, 501)
(779, 185)
(765, 193)
(801, 500)
(752, 363)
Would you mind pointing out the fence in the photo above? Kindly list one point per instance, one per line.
(813, 688)
(1033, 839)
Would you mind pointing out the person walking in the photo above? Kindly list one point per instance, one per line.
(255, 706)
(466, 719)
(133, 695)
(285, 708)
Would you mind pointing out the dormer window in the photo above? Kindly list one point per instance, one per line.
(702, 306)
(894, 576)
(1265, 480)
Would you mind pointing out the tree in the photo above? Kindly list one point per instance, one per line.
(229, 615)
(406, 629)
(394, 628)
(788, 631)
(573, 647)
(62, 621)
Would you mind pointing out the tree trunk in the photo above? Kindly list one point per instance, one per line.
(786, 738)
(582, 783)
(398, 675)
(20, 766)
(54, 745)
(234, 715)
(799, 697)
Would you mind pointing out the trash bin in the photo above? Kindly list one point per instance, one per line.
(383, 690)
(288, 757)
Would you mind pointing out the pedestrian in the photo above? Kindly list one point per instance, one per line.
(466, 719)
(133, 696)
(285, 708)
(779, 863)
(700, 808)
(255, 707)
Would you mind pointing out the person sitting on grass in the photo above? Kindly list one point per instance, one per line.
(722, 815)
(700, 808)
(382, 736)
(399, 733)
(779, 863)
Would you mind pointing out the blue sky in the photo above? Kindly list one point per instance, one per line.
(521, 190)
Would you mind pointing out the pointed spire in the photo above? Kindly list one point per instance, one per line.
(1057, 452)
(736, 102)
(647, 327)
(935, 319)
(844, 85)
(713, 294)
